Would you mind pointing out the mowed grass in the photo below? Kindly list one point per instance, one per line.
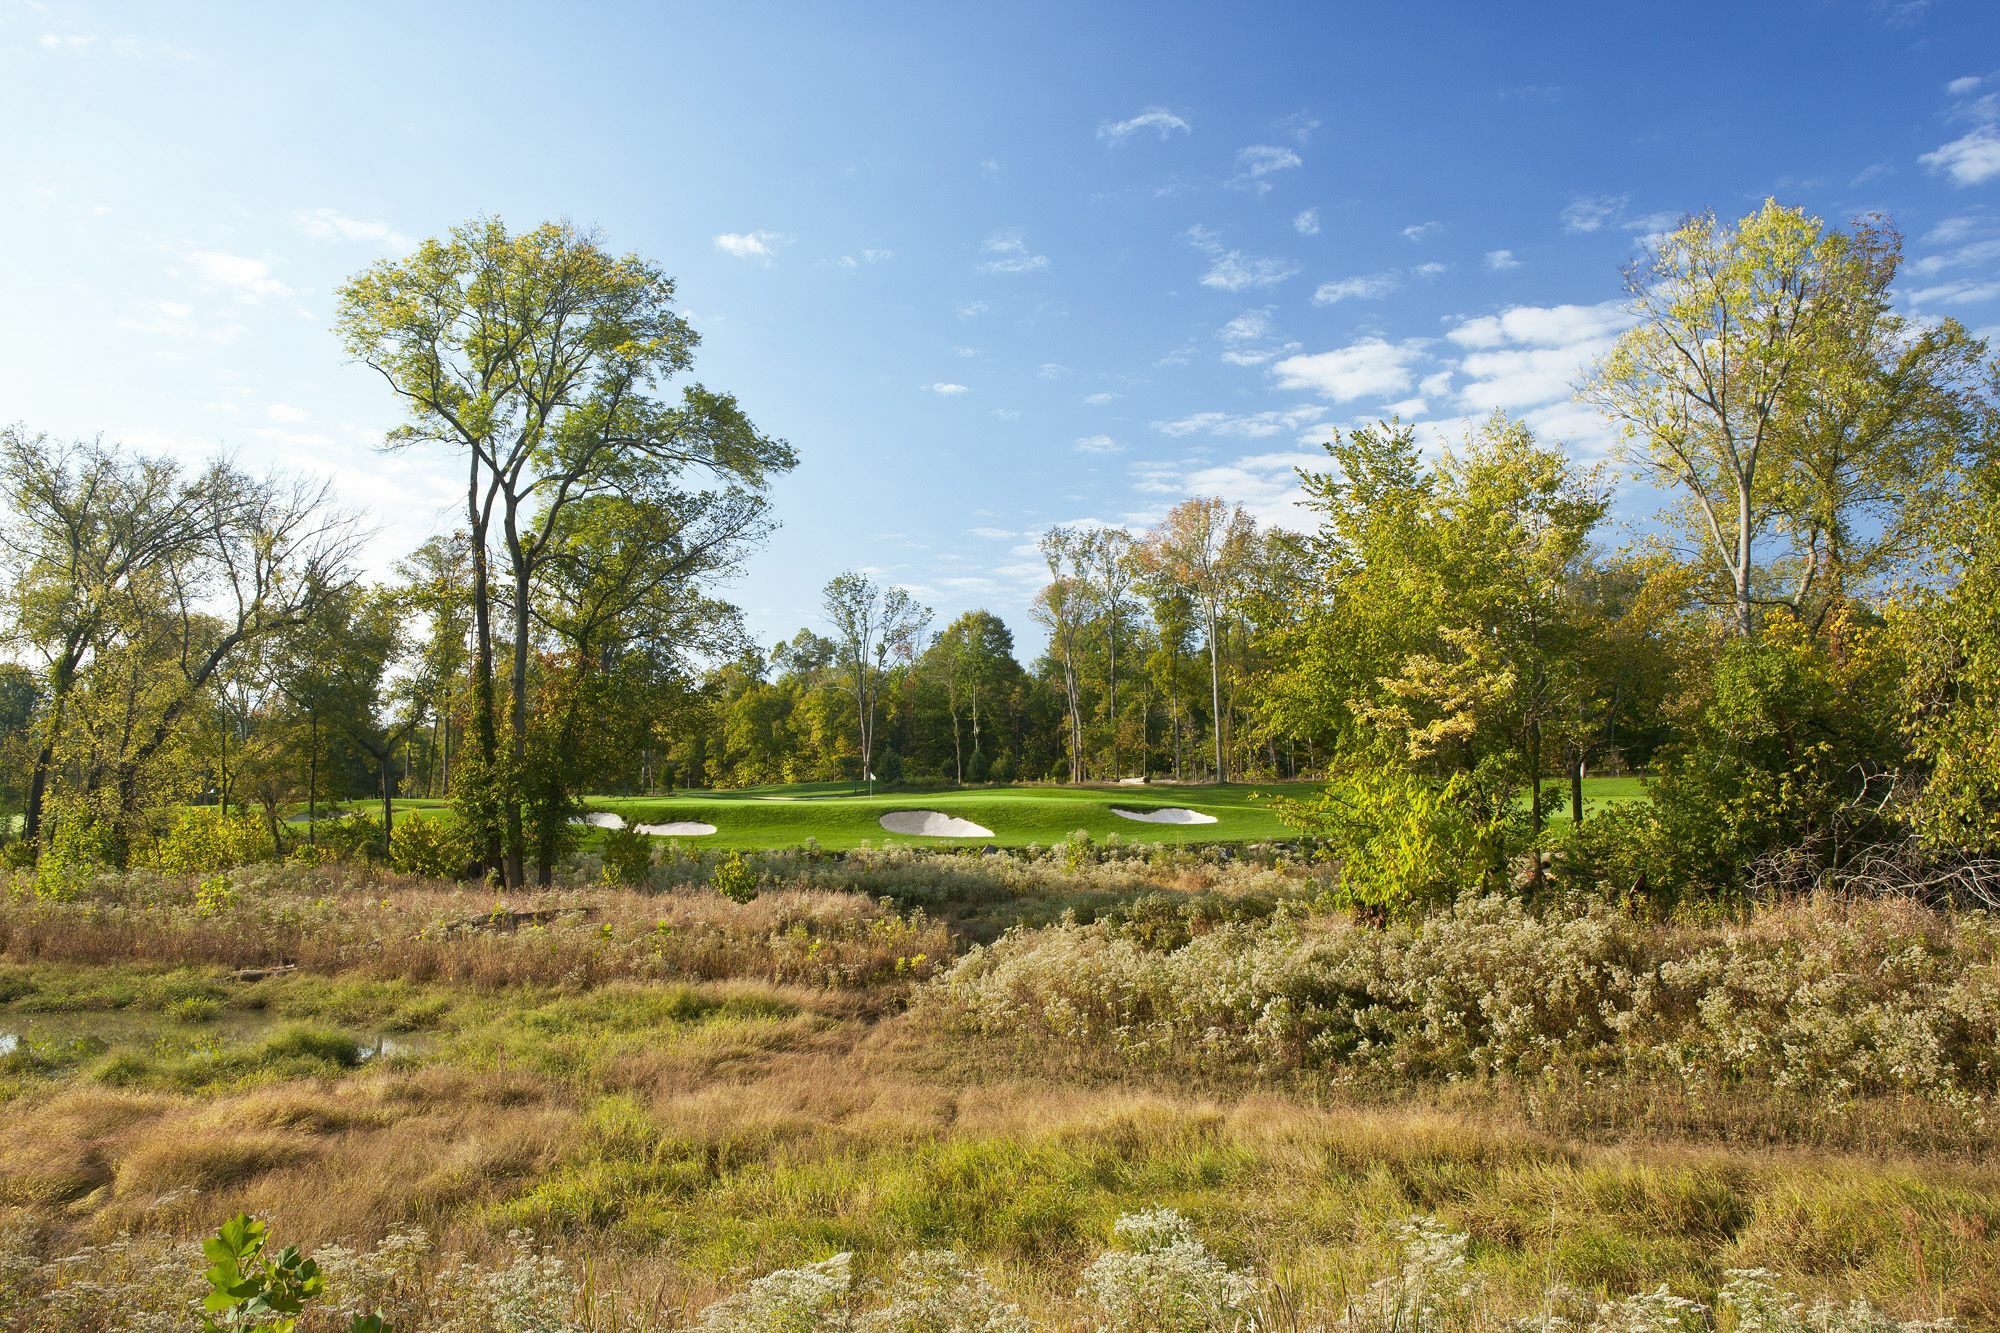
(839, 818)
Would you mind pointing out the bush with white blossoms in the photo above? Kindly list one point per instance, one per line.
(1164, 1280)
(1832, 1000)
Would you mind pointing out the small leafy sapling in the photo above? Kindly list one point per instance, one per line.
(248, 1290)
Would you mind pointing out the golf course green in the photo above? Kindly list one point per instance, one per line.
(837, 817)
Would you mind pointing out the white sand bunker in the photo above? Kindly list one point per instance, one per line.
(1172, 814)
(600, 819)
(680, 828)
(932, 824)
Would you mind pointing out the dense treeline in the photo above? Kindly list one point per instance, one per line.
(1802, 647)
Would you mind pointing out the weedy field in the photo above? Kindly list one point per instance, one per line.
(615, 1108)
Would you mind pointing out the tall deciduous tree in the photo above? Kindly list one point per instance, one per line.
(873, 627)
(1201, 546)
(541, 358)
(1805, 426)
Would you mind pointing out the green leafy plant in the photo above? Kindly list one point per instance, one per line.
(248, 1289)
(735, 878)
(628, 857)
(433, 846)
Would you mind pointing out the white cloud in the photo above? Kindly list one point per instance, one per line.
(1051, 370)
(991, 534)
(1499, 261)
(1533, 355)
(1431, 270)
(287, 413)
(1299, 125)
(1984, 251)
(1974, 157)
(1370, 287)
(1306, 222)
(1422, 231)
(1370, 368)
(66, 41)
(759, 245)
(250, 279)
(1407, 407)
(1010, 254)
(1161, 122)
(972, 309)
(1971, 159)
(328, 224)
(1261, 159)
(866, 257)
(1250, 326)
(1251, 426)
(1099, 399)
(947, 390)
(1588, 212)
(1236, 271)
(1542, 326)
(1964, 292)
(175, 320)
(1098, 444)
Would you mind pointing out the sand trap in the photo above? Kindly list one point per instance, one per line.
(1173, 814)
(932, 824)
(681, 828)
(1133, 782)
(600, 819)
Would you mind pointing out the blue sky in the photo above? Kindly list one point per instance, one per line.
(988, 267)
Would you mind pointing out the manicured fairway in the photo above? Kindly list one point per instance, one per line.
(838, 818)
(771, 817)
(1018, 816)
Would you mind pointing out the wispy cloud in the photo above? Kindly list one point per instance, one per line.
(1974, 157)
(1008, 253)
(946, 390)
(865, 257)
(761, 246)
(1423, 231)
(1589, 212)
(246, 278)
(1099, 444)
(329, 224)
(1499, 261)
(1367, 287)
(1237, 425)
(1306, 222)
(1369, 368)
(1261, 159)
(1155, 120)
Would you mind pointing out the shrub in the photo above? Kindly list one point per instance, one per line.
(1402, 840)
(1164, 1280)
(735, 878)
(628, 857)
(206, 839)
(434, 845)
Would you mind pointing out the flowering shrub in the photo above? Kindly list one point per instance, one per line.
(1832, 1000)
(1164, 1280)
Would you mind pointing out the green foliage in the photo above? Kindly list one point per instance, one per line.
(205, 838)
(1791, 745)
(249, 1290)
(1949, 630)
(628, 857)
(736, 878)
(1402, 839)
(433, 845)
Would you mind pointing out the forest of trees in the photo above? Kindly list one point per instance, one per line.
(1801, 647)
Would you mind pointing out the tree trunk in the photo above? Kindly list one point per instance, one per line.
(312, 776)
(1215, 696)
(1576, 785)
